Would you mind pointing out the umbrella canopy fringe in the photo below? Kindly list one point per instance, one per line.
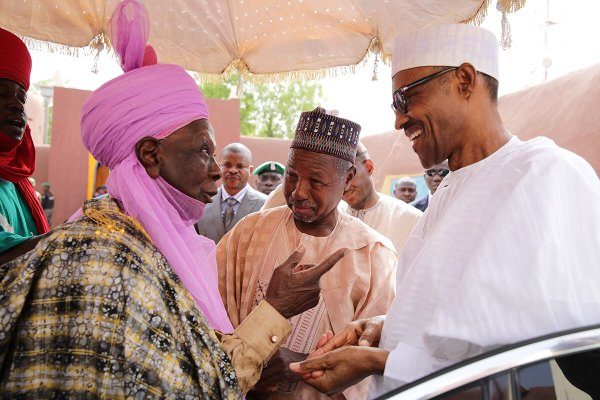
(97, 44)
(480, 14)
(51, 47)
(239, 67)
(508, 6)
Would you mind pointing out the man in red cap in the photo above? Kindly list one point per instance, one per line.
(22, 219)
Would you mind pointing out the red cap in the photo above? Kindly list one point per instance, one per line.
(15, 60)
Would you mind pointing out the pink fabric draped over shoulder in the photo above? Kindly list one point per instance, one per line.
(151, 101)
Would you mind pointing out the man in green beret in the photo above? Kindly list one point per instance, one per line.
(269, 176)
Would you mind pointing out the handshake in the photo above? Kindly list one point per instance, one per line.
(342, 360)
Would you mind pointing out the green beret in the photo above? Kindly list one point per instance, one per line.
(269, 166)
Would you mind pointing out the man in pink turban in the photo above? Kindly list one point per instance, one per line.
(124, 301)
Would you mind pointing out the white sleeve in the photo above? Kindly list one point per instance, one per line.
(534, 271)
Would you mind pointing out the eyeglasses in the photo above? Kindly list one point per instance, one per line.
(400, 102)
(440, 172)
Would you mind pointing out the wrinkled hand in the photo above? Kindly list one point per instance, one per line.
(278, 371)
(295, 288)
(363, 332)
(341, 368)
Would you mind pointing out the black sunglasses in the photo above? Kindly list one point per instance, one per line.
(441, 172)
(399, 99)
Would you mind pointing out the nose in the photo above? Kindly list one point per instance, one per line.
(401, 119)
(437, 178)
(214, 170)
(300, 192)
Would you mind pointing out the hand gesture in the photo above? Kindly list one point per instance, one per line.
(339, 369)
(363, 332)
(295, 288)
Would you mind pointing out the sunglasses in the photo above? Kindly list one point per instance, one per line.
(440, 172)
(400, 102)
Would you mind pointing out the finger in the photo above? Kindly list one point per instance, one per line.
(313, 375)
(314, 364)
(369, 335)
(315, 273)
(317, 374)
(294, 259)
(301, 268)
(324, 339)
(337, 341)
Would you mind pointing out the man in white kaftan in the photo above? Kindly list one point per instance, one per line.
(391, 217)
(503, 254)
(509, 248)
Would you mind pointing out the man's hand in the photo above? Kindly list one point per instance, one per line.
(341, 368)
(363, 332)
(278, 371)
(295, 288)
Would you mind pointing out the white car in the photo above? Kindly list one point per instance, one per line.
(562, 366)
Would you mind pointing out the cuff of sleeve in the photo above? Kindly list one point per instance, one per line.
(407, 363)
(264, 330)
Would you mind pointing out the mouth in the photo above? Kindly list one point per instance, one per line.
(208, 196)
(302, 209)
(16, 122)
(413, 133)
(304, 214)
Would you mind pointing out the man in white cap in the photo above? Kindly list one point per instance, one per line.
(501, 255)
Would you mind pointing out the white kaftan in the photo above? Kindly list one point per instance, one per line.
(391, 217)
(509, 249)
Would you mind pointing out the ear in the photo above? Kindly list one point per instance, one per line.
(251, 169)
(466, 75)
(146, 151)
(369, 166)
(349, 176)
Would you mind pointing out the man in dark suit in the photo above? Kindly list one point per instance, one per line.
(433, 177)
(235, 198)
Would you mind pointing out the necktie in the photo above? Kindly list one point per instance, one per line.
(229, 213)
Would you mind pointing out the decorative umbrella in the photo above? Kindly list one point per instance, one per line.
(266, 39)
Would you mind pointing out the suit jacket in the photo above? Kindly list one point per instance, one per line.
(422, 203)
(211, 225)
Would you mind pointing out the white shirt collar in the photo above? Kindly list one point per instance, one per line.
(239, 196)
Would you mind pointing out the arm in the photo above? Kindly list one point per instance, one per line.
(254, 342)
(381, 290)
(13, 245)
(292, 290)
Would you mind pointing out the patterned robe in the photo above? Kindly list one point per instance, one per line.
(95, 311)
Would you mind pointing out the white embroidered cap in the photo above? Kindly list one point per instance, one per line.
(447, 45)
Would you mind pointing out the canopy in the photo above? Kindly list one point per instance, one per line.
(258, 37)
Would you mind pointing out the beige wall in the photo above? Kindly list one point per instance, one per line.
(68, 165)
(42, 162)
(564, 109)
(34, 107)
